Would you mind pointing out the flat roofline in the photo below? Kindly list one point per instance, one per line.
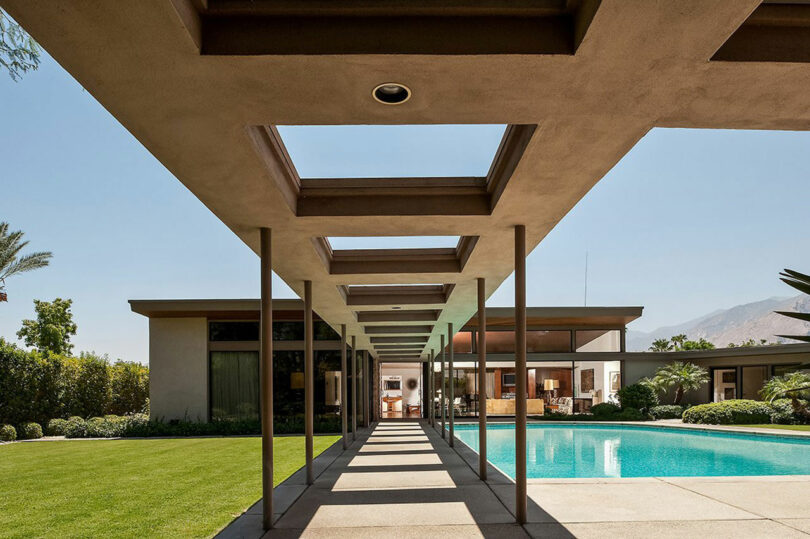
(602, 317)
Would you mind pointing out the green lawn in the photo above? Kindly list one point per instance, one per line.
(786, 427)
(136, 488)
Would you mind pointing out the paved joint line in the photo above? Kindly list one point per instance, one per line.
(682, 487)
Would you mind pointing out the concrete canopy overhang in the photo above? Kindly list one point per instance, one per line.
(590, 78)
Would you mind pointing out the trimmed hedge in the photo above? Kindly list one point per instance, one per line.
(138, 425)
(29, 431)
(7, 433)
(667, 411)
(56, 427)
(729, 412)
(39, 387)
(639, 396)
(604, 409)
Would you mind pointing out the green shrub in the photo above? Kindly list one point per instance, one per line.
(604, 409)
(639, 396)
(76, 427)
(629, 414)
(29, 431)
(56, 427)
(7, 433)
(784, 413)
(729, 412)
(130, 388)
(667, 411)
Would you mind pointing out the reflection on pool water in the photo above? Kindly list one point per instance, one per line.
(640, 451)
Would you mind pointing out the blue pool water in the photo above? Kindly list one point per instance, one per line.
(630, 451)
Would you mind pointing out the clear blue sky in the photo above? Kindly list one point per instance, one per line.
(688, 222)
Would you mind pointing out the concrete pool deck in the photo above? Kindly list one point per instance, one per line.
(402, 479)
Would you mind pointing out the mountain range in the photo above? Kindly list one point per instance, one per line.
(755, 320)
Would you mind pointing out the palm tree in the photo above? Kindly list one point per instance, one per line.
(800, 282)
(793, 386)
(684, 376)
(11, 263)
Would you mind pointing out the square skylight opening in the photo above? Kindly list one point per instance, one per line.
(393, 242)
(392, 151)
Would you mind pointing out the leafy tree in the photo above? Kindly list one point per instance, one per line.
(701, 344)
(794, 386)
(11, 263)
(130, 387)
(89, 385)
(683, 376)
(679, 343)
(800, 282)
(661, 345)
(19, 53)
(751, 342)
(52, 329)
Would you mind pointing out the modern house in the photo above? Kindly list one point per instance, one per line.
(208, 86)
(204, 360)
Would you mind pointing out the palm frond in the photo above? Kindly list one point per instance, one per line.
(796, 275)
(26, 263)
(798, 316)
(801, 286)
(803, 338)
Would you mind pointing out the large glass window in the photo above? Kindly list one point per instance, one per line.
(227, 331)
(595, 382)
(537, 341)
(234, 381)
(598, 340)
(753, 378)
(233, 331)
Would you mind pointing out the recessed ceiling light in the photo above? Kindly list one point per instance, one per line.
(391, 93)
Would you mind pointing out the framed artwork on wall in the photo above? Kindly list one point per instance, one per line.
(586, 380)
(615, 381)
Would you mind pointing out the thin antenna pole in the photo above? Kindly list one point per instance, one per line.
(586, 278)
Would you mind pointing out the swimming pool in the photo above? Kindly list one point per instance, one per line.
(639, 451)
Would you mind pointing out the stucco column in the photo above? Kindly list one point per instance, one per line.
(366, 382)
(443, 397)
(452, 384)
(344, 385)
(482, 379)
(266, 380)
(430, 392)
(309, 381)
(354, 388)
(520, 374)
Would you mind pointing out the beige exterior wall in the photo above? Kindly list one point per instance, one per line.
(178, 363)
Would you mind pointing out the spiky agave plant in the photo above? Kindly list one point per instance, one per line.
(800, 282)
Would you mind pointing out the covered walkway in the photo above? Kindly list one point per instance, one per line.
(399, 479)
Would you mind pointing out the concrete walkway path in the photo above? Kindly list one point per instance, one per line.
(401, 479)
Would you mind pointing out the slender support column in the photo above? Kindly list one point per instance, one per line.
(451, 382)
(344, 385)
(443, 396)
(354, 388)
(482, 379)
(309, 380)
(520, 374)
(266, 368)
(431, 391)
(366, 380)
(375, 392)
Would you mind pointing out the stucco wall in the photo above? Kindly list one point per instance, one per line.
(178, 364)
